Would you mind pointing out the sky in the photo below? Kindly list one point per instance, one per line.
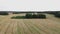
(29, 5)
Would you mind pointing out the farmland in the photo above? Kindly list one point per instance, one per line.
(50, 25)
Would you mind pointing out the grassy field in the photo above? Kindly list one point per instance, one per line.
(51, 25)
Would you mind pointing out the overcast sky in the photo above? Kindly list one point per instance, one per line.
(29, 5)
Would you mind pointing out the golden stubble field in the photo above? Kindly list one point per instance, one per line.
(51, 25)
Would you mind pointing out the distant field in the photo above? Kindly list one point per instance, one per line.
(51, 25)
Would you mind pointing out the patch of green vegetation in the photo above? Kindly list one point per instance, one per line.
(33, 15)
(3, 13)
(18, 17)
(57, 15)
(30, 16)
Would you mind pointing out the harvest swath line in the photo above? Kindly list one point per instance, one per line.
(28, 26)
(10, 29)
(38, 26)
(1, 21)
(55, 27)
(41, 26)
(4, 25)
(4, 28)
(14, 27)
(50, 26)
(18, 28)
(25, 28)
(32, 27)
(7, 28)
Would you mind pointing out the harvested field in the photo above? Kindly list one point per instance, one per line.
(51, 25)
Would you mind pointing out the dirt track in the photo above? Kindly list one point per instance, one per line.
(29, 26)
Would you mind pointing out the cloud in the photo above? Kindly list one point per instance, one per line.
(29, 5)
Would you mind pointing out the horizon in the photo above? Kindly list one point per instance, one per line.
(29, 11)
